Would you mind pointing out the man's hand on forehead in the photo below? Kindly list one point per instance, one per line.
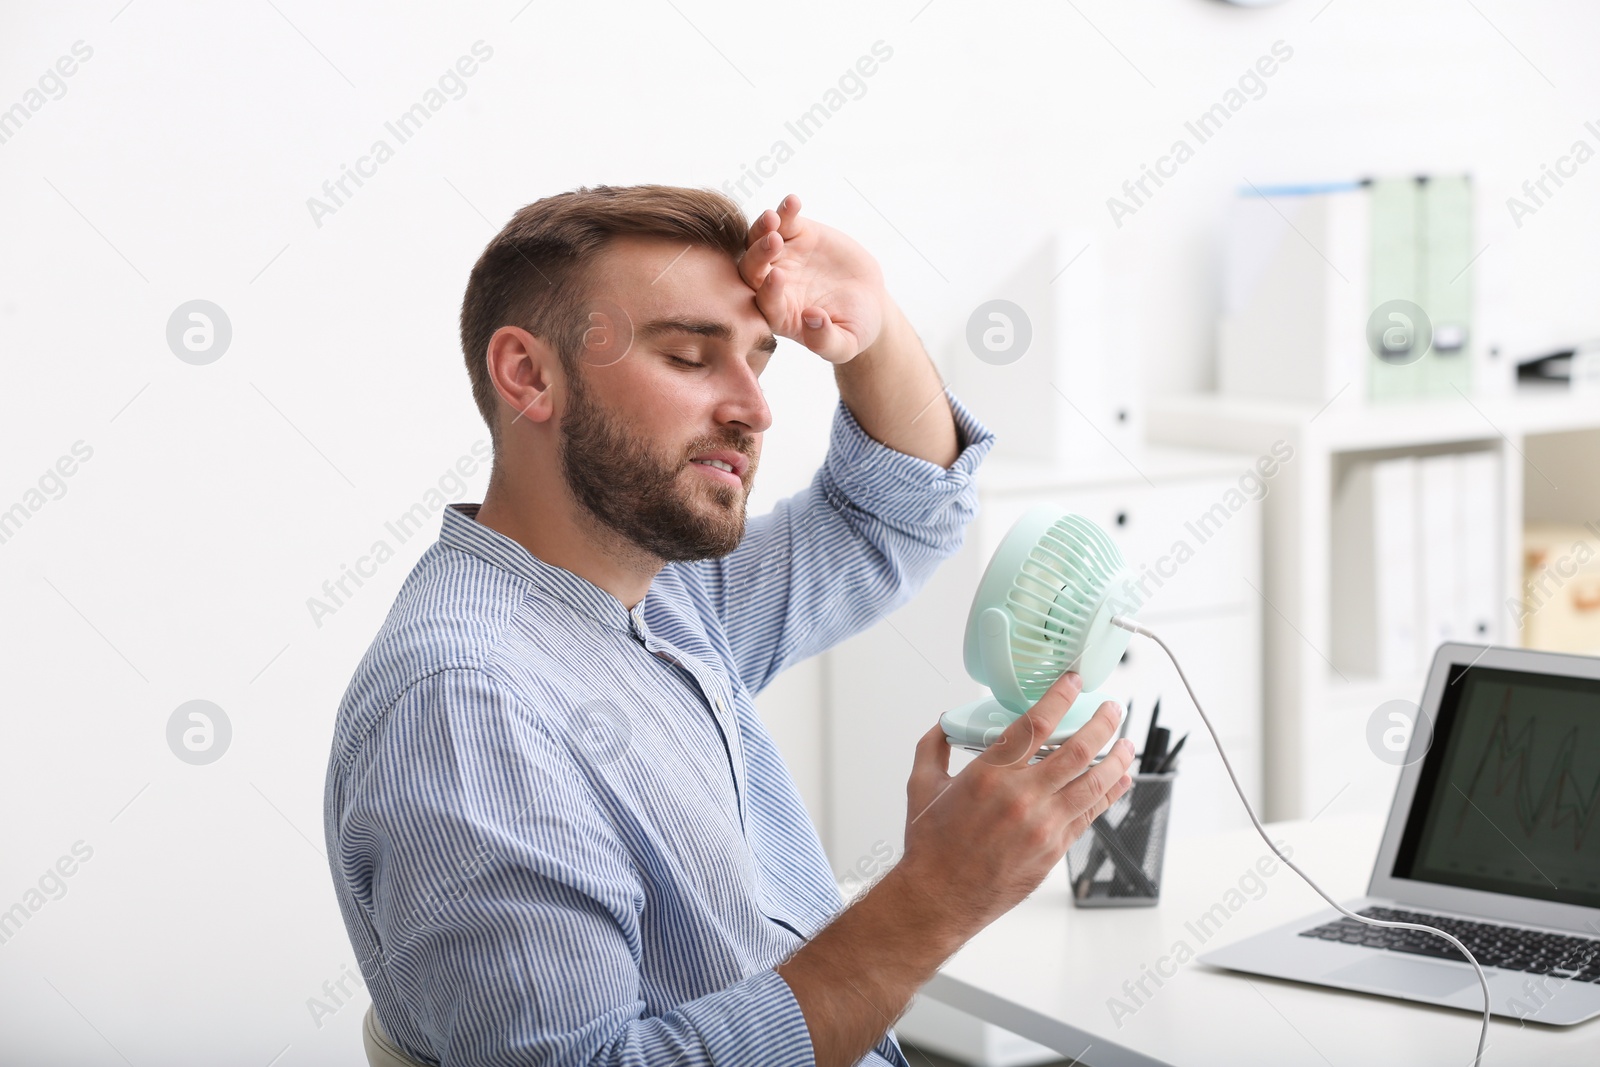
(813, 284)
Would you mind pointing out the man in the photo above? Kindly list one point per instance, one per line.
(558, 831)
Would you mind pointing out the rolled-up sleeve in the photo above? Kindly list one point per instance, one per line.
(853, 546)
(500, 903)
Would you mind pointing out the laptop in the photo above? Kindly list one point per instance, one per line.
(1494, 836)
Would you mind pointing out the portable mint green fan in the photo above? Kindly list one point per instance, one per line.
(1043, 607)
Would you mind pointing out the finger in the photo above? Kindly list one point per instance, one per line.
(1019, 741)
(1076, 752)
(758, 259)
(825, 337)
(1124, 784)
(770, 297)
(1082, 793)
(764, 224)
(932, 758)
(1111, 796)
(1080, 825)
(789, 216)
(930, 774)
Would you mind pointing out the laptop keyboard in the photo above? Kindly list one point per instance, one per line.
(1510, 948)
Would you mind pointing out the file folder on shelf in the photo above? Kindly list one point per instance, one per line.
(1295, 294)
(1374, 567)
(1478, 533)
(1396, 274)
(1438, 561)
(1446, 242)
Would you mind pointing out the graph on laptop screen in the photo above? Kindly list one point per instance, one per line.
(1508, 800)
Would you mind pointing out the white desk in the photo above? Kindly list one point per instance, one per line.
(1047, 970)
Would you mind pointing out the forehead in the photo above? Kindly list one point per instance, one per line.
(655, 278)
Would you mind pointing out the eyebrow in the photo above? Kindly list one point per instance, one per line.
(720, 331)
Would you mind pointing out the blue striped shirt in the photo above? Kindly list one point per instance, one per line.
(558, 831)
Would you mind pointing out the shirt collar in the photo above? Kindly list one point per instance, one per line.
(463, 531)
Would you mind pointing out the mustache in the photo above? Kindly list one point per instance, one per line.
(745, 446)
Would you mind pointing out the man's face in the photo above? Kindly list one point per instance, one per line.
(668, 374)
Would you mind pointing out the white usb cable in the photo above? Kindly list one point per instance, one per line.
(1483, 1036)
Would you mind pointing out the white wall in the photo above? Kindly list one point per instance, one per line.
(217, 499)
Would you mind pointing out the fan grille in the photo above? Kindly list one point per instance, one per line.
(1054, 597)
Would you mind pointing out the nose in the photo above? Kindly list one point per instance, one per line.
(741, 401)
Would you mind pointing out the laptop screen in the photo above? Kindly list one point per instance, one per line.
(1508, 800)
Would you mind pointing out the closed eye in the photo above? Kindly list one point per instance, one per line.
(684, 362)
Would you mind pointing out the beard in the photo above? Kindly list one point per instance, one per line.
(628, 488)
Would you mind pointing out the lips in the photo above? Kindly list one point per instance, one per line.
(727, 478)
(737, 462)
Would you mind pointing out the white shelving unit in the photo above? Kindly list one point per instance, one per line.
(1315, 722)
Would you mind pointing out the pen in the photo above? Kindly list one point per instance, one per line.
(1167, 764)
(1156, 751)
(1149, 738)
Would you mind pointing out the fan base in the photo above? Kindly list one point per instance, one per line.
(979, 724)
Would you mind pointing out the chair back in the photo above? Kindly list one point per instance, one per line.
(382, 1052)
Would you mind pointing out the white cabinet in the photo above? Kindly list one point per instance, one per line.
(1191, 534)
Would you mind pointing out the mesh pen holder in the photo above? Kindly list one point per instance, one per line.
(1117, 863)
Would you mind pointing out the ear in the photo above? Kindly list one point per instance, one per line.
(523, 368)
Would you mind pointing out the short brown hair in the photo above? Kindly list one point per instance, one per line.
(533, 273)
